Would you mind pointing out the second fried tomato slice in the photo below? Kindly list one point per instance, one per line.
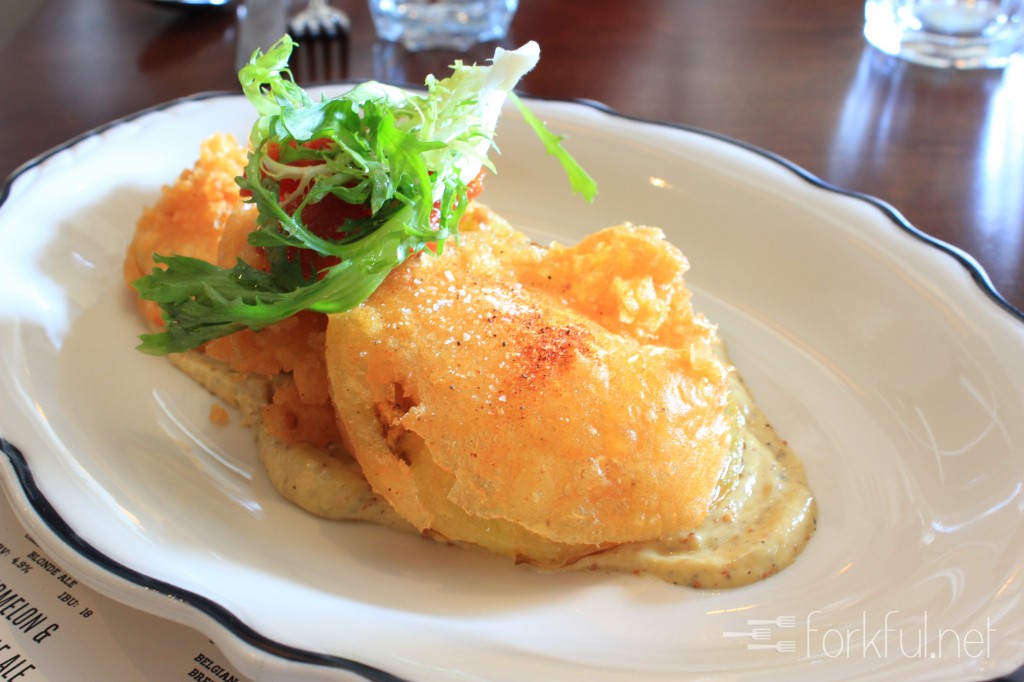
(544, 403)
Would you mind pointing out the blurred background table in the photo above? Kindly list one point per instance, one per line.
(794, 77)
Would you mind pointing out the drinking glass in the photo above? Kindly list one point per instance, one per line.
(959, 34)
(451, 24)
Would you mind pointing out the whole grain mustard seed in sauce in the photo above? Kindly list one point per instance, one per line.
(760, 524)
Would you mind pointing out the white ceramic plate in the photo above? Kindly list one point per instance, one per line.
(886, 361)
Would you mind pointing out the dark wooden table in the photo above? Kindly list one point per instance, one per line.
(794, 77)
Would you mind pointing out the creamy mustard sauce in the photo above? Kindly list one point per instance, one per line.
(758, 525)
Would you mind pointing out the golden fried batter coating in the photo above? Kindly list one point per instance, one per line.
(526, 389)
(190, 215)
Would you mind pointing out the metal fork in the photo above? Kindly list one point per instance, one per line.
(322, 54)
(320, 61)
(318, 19)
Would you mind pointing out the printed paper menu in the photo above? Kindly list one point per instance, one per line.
(55, 629)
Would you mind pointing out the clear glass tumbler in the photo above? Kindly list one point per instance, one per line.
(959, 34)
(451, 24)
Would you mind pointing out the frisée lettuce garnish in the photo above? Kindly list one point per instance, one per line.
(345, 190)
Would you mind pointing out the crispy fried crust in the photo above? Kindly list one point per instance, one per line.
(191, 214)
(542, 416)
